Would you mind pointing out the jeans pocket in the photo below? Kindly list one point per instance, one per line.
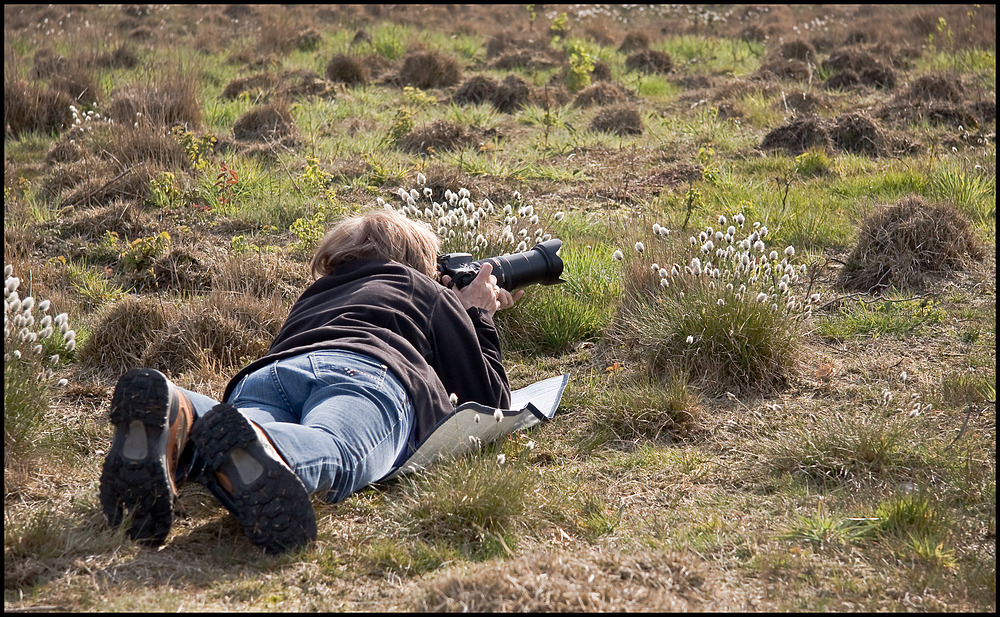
(331, 367)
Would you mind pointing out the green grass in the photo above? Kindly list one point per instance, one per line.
(776, 461)
(849, 450)
(894, 315)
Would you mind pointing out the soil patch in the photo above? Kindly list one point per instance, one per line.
(673, 177)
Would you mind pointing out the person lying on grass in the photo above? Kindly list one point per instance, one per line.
(373, 354)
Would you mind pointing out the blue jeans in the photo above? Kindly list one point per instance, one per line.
(340, 419)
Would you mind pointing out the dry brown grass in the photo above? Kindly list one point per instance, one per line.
(908, 244)
(123, 332)
(574, 582)
(936, 87)
(507, 96)
(429, 69)
(475, 90)
(513, 94)
(170, 102)
(600, 94)
(798, 136)
(797, 49)
(270, 123)
(29, 107)
(859, 134)
(804, 102)
(618, 119)
(262, 82)
(439, 136)
(785, 68)
(650, 61)
(634, 41)
(347, 69)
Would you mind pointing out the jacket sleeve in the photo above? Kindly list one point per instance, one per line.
(466, 353)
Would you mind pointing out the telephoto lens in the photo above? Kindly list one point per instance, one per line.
(540, 265)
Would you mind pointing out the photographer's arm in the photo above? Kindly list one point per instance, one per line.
(468, 360)
(484, 293)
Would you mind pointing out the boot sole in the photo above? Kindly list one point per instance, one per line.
(272, 506)
(135, 480)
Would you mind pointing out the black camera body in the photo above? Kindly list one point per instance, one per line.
(540, 264)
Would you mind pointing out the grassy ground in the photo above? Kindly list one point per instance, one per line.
(831, 446)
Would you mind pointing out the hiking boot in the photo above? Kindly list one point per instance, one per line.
(144, 467)
(249, 477)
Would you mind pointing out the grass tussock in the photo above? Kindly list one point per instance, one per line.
(478, 504)
(439, 136)
(600, 94)
(726, 315)
(214, 337)
(507, 96)
(123, 332)
(270, 123)
(348, 70)
(429, 69)
(172, 101)
(627, 410)
(853, 450)
(30, 108)
(907, 244)
(621, 120)
(36, 343)
(650, 61)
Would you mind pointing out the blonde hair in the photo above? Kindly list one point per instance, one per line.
(378, 234)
